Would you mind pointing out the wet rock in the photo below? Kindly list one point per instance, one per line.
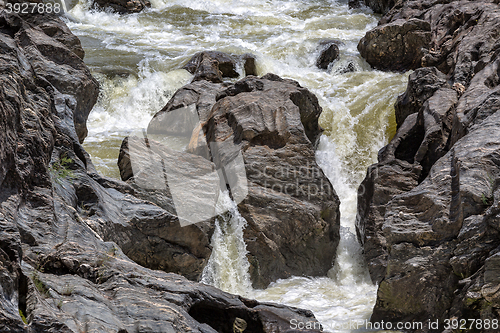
(329, 52)
(57, 59)
(212, 66)
(422, 84)
(201, 94)
(249, 64)
(355, 4)
(261, 134)
(57, 215)
(397, 45)
(380, 6)
(427, 214)
(122, 6)
(291, 208)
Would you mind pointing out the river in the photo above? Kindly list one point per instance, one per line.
(136, 58)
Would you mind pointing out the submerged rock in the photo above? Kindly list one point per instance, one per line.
(261, 133)
(213, 66)
(329, 52)
(59, 268)
(428, 209)
(122, 6)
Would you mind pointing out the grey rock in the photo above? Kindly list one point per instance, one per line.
(249, 64)
(57, 217)
(422, 84)
(214, 66)
(397, 45)
(329, 52)
(291, 207)
(272, 123)
(380, 6)
(122, 6)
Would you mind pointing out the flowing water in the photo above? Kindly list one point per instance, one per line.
(136, 58)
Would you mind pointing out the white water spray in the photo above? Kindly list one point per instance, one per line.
(228, 267)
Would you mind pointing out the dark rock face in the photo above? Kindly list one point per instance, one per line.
(122, 6)
(396, 45)
(58, 266)
(428, 209)
(56, 58)
(213, 66)
(329, 52)
(291, 208)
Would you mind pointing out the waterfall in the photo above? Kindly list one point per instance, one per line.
(137, 60)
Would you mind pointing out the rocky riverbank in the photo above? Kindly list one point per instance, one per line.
(61, 222)
(428, 214)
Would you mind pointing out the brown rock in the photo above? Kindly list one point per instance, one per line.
(428, 210)
(329, 52)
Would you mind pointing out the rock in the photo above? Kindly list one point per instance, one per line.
(428, 210)
(353, 4)
(58, 267)
(422, 84)
(291, 208)
(252, 130)
(122, 6)
(249, 64)
(57, 59)
(380, 6)
(329, 52)
(202, 94)
(397, 45)
(212, 66)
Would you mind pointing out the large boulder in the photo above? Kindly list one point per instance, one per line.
(428, 210)
(397, 45)
(261, 134)
(59, 271)
(55, 55)
(329, 52)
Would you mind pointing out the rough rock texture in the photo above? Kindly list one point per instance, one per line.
(213, 66)
(122, 6)
(397, 45)
(291, 208)
(56, 57)
(428, 210)
(329, 52)
(57, 265)
(379, 6)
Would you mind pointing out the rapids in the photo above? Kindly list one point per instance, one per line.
(136, 58)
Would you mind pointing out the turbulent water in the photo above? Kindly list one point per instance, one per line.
(136, 58)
